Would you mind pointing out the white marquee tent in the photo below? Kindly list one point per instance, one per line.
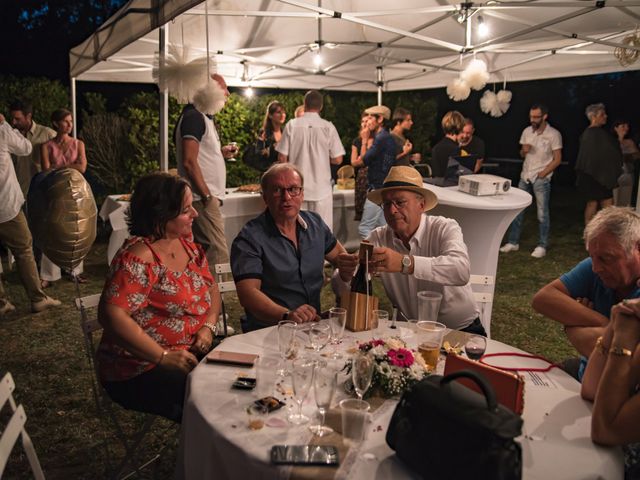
(364, 45)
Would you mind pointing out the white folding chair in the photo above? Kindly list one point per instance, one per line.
(14, 429)
(130, 441)
(224, 270)
(482, 287)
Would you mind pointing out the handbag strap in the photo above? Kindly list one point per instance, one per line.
(522, 355)
(486, 388)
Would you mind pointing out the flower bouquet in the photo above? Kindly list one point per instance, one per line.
(397, 368)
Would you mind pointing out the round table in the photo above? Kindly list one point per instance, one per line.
(216, 442)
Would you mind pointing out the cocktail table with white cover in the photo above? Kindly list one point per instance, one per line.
(216, 443)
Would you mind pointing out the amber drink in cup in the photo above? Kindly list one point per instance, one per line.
(430, 335)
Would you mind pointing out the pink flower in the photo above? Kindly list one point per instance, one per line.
(376, 342)
(400, 358)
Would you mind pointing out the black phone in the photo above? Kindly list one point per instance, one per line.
(322, 455)
(244, 383)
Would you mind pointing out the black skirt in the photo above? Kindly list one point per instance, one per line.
(590, 189)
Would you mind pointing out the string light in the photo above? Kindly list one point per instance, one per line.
(248, 92)
(483, 28)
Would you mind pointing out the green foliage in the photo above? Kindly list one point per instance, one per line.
(45, 95)
(96, 104)
(142, 112)
(240, 174)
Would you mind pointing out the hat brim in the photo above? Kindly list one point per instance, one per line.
(430, 198)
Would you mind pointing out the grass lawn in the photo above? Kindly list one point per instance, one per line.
(46, 356)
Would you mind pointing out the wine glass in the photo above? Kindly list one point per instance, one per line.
(337, 320)
(319, 335)
(475, 347)
(325, 381)
(382, 318)
(287, 343)
(362, 372)
(301, 380)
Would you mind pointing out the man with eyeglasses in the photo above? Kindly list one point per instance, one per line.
(416, 252)
(278, 258)
(541, 148)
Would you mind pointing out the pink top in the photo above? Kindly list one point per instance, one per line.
(59, 158)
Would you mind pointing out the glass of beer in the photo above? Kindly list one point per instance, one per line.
(430, 335)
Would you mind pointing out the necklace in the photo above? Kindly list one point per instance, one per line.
(166, 251)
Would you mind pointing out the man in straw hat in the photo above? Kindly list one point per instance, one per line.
(416, 252)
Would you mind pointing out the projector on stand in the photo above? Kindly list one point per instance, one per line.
(482, 184)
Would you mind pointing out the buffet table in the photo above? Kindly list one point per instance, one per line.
(238, 209)
(217, 443)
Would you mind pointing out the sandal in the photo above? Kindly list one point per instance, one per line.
(79, 278)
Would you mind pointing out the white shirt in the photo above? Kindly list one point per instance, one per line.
(310, 142)
(541, 153)
(11, 198)
(441, 264)
(210, 159)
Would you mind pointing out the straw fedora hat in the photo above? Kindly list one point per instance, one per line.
(404, 178)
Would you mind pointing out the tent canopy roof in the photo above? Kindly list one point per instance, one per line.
(411, 44)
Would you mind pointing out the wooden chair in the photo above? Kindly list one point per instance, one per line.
(14, 429)
(107, 410)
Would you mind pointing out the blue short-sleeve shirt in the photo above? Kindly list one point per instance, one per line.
(582, 282)
(290, 277)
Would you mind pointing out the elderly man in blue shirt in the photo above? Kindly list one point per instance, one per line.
(277, 259)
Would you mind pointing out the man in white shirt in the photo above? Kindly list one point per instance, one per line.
(14, 232)
(416, 252)
(541, 148)
(312, 144)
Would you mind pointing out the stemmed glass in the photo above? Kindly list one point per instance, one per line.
(319, 335)
(337, 320)
(301, 380)
(325, 381)
(362, 372)
(287, 343)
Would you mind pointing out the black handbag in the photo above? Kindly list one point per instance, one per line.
(444, 430)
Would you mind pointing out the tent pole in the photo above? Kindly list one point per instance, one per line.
(379, 83)
(74, 107)
(163, 131)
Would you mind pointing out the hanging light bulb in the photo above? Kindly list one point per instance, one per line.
(248, 92)
(317, 59)
(483, 28)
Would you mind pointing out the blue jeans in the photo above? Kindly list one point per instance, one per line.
(541, 189)
(372, 217)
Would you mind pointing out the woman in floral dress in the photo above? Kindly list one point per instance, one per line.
(160, 303)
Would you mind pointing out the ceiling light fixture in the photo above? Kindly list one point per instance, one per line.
(483, 28)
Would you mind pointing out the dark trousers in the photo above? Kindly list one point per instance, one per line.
(159, 391)
(475, 327)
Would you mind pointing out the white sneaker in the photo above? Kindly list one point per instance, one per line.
(539, 252)
(509, 247)
(45, 303)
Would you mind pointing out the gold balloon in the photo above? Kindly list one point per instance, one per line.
(62, 216)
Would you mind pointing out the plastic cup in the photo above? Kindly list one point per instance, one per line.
(266, 374)
(429, 305)
(355, 415)
(430, 335)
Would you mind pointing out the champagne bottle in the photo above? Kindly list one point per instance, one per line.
(359, 282)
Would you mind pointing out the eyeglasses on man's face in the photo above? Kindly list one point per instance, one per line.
(292, 191)
(399, 204)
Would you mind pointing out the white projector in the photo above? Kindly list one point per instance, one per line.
(482, 184)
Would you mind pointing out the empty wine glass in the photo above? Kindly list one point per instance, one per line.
(287, 343)
(337, 320)
(362, 372)
(382, 319)
(325, 381)
(319, 335)
(301, 380)
(475, 347)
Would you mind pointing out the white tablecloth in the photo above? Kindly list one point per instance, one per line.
(216, 443)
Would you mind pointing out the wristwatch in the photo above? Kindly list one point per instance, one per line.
(406, 264)
(206, 198)
(285, 315)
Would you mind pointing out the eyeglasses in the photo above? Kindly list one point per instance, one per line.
(292, 191)
(399, 204)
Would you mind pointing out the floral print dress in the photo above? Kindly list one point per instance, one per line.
(169, 306)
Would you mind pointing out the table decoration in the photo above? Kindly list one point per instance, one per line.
(396, 367)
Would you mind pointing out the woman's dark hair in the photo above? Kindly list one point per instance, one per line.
(157, 198)
(267, 124)
(59, 115)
